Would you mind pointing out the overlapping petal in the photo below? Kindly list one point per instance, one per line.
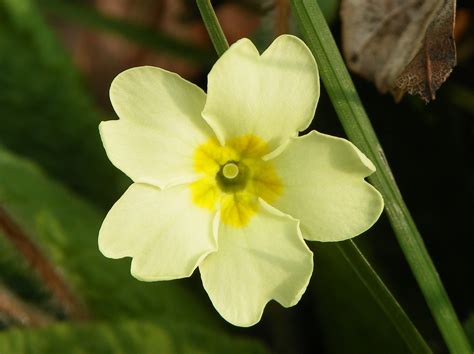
(324, 187)
(159, 128)
(165, 234)
(272, 96)
(179, 215)
(268, 259)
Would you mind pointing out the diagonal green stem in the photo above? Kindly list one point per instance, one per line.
(349, 250)
(215, 31)
(352, 115)
(382, 295)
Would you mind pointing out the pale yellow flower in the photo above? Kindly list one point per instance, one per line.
(223, 182)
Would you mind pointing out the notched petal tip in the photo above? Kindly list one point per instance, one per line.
(159, 128)
(138, 272)
(272, 96)
(325, 187)
(245, 44)
(347, 152)
(267, 260)
(146, 224)
(279, 214)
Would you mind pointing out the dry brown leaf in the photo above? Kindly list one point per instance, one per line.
(400, 45)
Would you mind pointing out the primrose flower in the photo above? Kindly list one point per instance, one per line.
(223, 182)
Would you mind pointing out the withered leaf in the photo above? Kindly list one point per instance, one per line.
(400, 45)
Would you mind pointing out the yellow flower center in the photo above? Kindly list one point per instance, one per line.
(234, 176)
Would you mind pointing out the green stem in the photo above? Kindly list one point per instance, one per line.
(383, 297)
(352, 115)
(212, 25)
(348, 249)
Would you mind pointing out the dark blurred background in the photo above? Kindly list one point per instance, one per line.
(57, 60)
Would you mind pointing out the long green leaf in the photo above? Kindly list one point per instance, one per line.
(215, 32)
(352, 115)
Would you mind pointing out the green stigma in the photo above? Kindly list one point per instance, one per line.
(232, 177)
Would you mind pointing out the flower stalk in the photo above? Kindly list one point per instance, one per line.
(215, 32)
(382, 295)
(358, 128)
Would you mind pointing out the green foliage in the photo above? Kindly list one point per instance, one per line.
(358, 128)
(66, 227)
(121, 338)
(47, 115)
(45, 112)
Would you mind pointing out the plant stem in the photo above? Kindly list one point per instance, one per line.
(357, 126)
(215, 32)
(383, 297)
(348, 249)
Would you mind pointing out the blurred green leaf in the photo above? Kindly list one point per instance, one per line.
(121, 338)
(44, 109)
(65, 228)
